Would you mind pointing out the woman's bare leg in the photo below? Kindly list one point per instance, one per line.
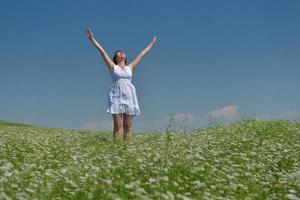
(127, 122)
(117, 119)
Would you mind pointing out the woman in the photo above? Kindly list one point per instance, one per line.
(122, 98)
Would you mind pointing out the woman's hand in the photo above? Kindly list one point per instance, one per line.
(154, 39)
(89, 33)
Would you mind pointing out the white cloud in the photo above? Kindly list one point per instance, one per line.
(290, 115)
(190, 121)
(227, 113)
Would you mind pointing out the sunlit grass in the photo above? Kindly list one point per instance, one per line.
(249, 159)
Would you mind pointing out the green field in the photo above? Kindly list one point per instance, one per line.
(248, 159)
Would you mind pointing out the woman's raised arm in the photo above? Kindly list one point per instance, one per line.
(110, 64)
(136, 61)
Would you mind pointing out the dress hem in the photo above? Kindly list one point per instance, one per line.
(122, 113)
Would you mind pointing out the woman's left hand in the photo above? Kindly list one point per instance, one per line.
(154, 39)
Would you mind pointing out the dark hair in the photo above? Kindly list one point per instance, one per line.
(115, 57)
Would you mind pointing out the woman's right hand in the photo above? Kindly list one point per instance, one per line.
(89, 33)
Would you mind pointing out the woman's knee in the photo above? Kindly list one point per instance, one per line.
(118, 125)
(127, 127)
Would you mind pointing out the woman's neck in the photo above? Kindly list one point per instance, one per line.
(122, 64)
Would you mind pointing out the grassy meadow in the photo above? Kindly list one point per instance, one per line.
(247, 159)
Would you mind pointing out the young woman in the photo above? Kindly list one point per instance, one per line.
(122, 99)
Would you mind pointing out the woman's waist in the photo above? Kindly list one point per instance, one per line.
(119, 80)
(122, 82)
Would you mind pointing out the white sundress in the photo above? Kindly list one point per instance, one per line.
(122, 96)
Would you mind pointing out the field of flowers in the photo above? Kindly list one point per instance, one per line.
(248, 159)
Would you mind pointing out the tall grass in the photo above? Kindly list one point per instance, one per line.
(248, 159)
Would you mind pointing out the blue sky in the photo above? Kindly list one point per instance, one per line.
(226, 59)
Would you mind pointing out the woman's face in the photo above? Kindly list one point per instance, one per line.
(121, 56)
